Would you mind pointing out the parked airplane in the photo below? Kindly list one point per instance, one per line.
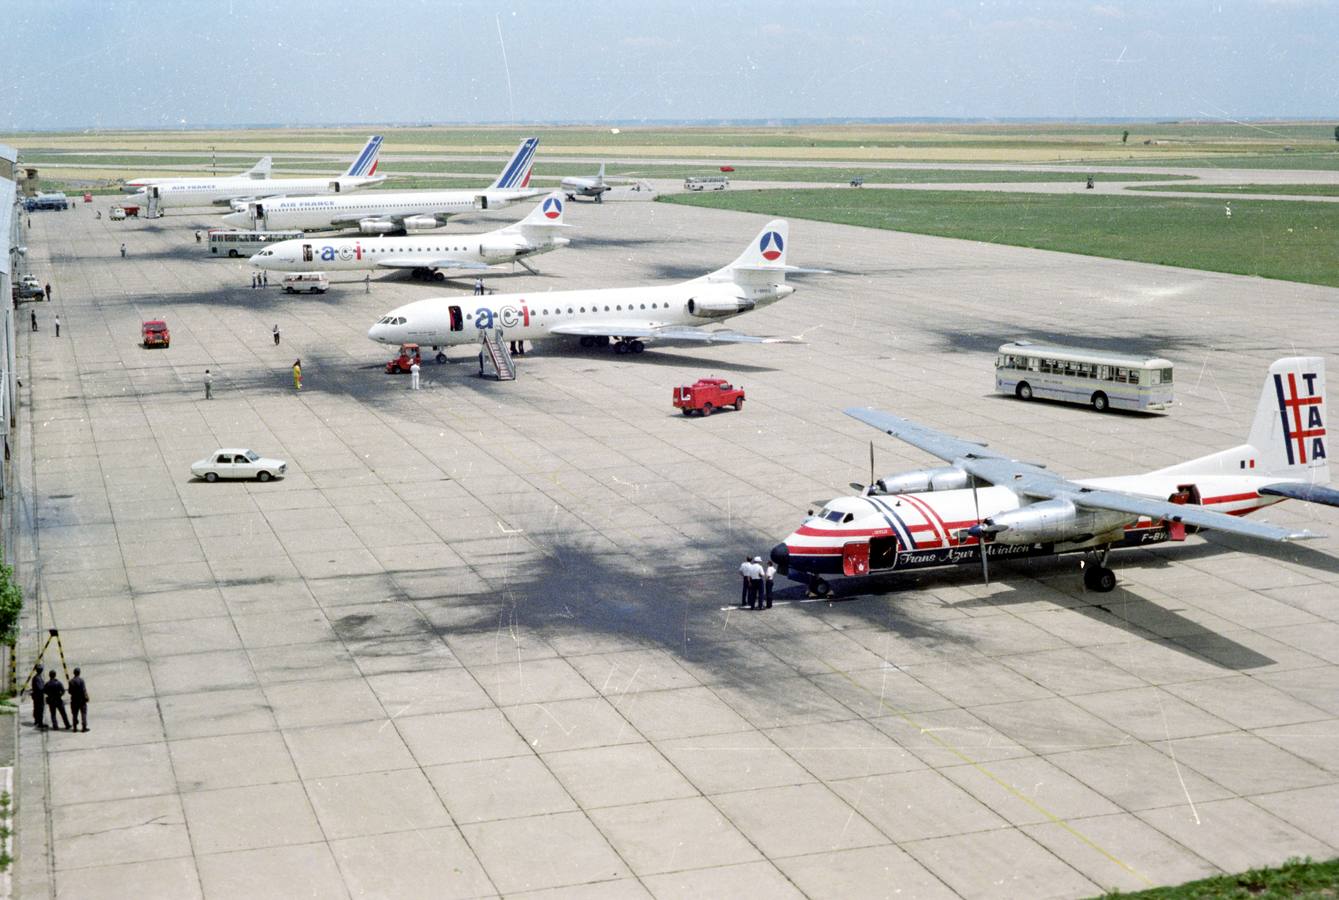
(260, 170)
(670, 312)
(985, 505)
(425, 254)
(585, 186)
(387, 212)
(257, 183)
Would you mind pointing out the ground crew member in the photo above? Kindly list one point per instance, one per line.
(755, 583)
(57, 326)
(367, 283)
(123, 251)
(769, 574)
(413, 377)
(745, 570)
(276, 334)
(265, 278)
(297, 374)
(55, 699)
(478, 287)
(78, 700)
(254, 279)
(197, 232)
(39, 697)
(47, 288)
(32, 315)
(209, 385)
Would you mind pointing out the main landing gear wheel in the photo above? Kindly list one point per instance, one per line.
(1023, 391)
(621, 348)
(636, 346)
(819, 588)
(441, 357)
(1099, 578)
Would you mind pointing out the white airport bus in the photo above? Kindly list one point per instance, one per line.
(1080, 375)
(706, 183)
(228, 242)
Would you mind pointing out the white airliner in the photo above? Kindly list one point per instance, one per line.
(386, 212)
(257, 183)
(671, 312)
(985, 505)
(425, 254)
(589, 186)
(260, 170)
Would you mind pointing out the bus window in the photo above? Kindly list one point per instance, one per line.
(1120, 375)
(1166, 376)
(1134, 376)
(457, 321)
(1032, 364)
(1104, 373)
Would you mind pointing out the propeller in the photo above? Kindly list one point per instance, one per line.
(979, 533)
(866, 488)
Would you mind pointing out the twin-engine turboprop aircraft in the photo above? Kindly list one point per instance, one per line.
(985, 505)
(671, 312)
(425, 254)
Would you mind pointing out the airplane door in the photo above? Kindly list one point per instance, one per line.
(306, 252)
(855, 558)
(457, 320)
(1185, 495)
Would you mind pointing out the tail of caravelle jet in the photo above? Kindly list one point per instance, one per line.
(548, 213)
(536, 233)
(516, 173)
(365, 163)
(1287, 438)
(261, 169)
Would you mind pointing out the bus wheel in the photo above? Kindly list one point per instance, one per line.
(1100, 402)
(1024, 391)
(233, 253)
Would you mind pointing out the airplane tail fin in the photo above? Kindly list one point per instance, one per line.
(1287, 438)
(1288, 433)
(261, 169)
(764, 259)
(548, 213)
(599, 176)
(365, 163)
(516, 173)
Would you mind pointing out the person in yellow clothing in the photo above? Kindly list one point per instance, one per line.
(297, 374)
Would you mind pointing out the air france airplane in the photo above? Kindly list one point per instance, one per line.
(386, 212)
(670, 312)
(260, 170)
(985, 505)
(425, 254)
(247, 186)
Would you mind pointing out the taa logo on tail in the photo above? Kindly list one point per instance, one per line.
(771, 246)
(553, 208)
(1300, 409)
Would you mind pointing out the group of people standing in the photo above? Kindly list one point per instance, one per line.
(48, 697)
(756, 592)
(260, 279)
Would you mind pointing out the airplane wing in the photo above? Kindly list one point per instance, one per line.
(1033, 481)
(1311, 493)
(396, 220)
(410, 262)
(664, 333)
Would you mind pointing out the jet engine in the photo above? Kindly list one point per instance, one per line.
(503, 248)
(944, 478)
(715, 305)
(375, 226)
(419, 223)
(1052, 521)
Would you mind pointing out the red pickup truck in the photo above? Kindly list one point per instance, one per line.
(707, 396)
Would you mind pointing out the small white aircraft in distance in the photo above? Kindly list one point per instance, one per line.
(628, 315)
(425, 254)
(985, 505)
(590, 186)
(260, 170)
(255, 184)
(391, 212)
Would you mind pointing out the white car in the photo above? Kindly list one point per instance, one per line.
(235, 463)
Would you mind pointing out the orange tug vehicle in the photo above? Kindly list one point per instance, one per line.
(707, 396)
(154, 333)
(408, 356)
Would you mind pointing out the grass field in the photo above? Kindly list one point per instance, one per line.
(1287, 240)
(1294, 880)
(1300, 190)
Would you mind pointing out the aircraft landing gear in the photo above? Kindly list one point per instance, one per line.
(626, 345)
(1096, 576)
(441, 357)
(818, 587)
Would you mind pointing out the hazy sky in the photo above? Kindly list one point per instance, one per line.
(136, 63)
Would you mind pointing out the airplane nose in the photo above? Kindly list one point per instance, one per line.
(781, 556)
(377, 333)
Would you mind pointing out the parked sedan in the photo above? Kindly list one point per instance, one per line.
(234, 463)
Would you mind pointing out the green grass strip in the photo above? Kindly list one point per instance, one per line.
(1287, 240)
(1302, 190)
(1294, 880)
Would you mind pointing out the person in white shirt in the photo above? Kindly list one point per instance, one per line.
(755, 583)
(745, 574)
(769, 574)
(413, 377)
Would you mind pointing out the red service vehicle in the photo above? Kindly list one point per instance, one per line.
(154, 333)
(131, 211)
(727, 168)
(707, 396)
(88, 198)
(408, 356)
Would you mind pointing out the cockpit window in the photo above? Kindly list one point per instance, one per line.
(400, 320)
(833, 516)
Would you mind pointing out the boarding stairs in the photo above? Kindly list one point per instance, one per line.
(494, 359)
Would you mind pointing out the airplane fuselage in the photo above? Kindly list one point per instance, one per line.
(871, 535)
(360, 254)
(448, 321)
(328, 212)
(210, 191)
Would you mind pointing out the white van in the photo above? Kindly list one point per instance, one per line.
(312, 282)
